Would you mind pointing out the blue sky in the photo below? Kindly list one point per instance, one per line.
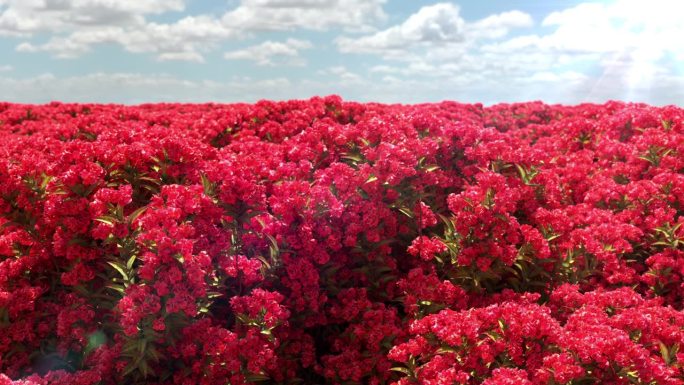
(408, 51)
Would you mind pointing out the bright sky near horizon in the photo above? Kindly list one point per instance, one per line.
(407, 51)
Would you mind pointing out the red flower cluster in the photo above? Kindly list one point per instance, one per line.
(331, 242)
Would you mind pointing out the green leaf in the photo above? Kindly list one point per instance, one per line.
(355, 158)
(263, 261)
(120, 268)
(667, 353)
(118, 288)
(129, 369)
(130, 262)
(273, 249)
(493, 335)
(257, 377)
(406, 211)
(144, 368)
(208, 186)
(502, 324)
(106, 220)
(401, 369)
(135, 214)
(154, 354)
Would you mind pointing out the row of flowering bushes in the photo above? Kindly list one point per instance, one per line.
(331, 242)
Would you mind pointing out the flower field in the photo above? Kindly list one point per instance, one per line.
(332, 242)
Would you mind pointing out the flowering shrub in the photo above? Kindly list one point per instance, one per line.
(331, 242)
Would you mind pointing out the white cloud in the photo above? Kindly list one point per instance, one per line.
(499, 25)
(608, 27)
(25, 17)
(73, 45)
(6, 68)
(434, 28)
(550, 86)
(343, 75)
(633, 46)
(189, 56)
(270, 53)
(278, 15)
(138, 88)
(421, 68)
(186, 38)
(183, 40)
(437, 45)
(75, 26)
(436, 23)
(618, 49)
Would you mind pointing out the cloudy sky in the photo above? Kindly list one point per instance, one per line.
(133, 51)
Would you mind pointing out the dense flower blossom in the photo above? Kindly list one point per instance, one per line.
(333, 242)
